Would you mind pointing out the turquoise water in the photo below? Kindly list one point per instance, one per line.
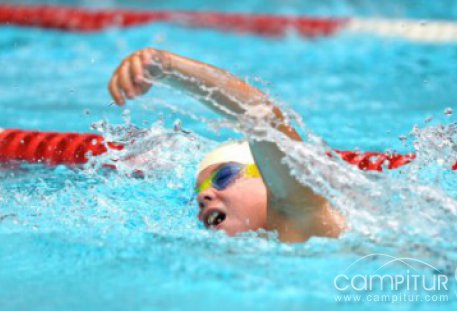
(73, 239)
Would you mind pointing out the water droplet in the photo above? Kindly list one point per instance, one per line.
(415, 130)
(100, 126)
(402, 138)
(159, 38)
(177, 125)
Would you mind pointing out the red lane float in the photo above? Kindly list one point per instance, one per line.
(74, 19)
(375, 161)
(50, 147)
(87, 20)
(54, 148)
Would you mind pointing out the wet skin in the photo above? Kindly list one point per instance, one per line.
(240, 207)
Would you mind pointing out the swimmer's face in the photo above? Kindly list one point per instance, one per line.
(242, 206)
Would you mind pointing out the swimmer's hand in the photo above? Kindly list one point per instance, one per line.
(129, 80)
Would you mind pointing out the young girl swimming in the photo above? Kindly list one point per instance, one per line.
(241, 186)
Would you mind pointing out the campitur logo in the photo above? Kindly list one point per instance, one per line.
(408, 280)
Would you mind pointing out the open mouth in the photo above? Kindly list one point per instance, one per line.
(213, 218)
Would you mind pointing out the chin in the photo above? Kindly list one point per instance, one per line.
(235, 228)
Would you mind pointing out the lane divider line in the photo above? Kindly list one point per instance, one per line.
(89, 20)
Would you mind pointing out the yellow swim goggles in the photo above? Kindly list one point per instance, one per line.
(226, 174)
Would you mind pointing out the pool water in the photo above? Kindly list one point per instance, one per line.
(94, 239)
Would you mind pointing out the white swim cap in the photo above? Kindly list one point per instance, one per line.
(237, 151)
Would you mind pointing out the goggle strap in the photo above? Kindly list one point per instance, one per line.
(252, 171)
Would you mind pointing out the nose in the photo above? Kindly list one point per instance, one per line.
(205, 197)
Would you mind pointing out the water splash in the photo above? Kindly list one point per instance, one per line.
(399, 209)
(414, 205)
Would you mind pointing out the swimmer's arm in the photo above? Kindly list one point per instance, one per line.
(231, 97)
(294, 210)
(217, 88)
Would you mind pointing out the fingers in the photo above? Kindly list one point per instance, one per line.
(145, 56)
(136, 68)
(143, 88)
(126, 80)
(115, 91)
(137, 72)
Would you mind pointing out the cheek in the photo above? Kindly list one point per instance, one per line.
(248, 205)
(232, 226)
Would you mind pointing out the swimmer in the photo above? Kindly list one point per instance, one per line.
(241, 186)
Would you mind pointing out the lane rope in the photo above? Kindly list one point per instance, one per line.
(87, 20)
(53, 148)
(90, 20)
